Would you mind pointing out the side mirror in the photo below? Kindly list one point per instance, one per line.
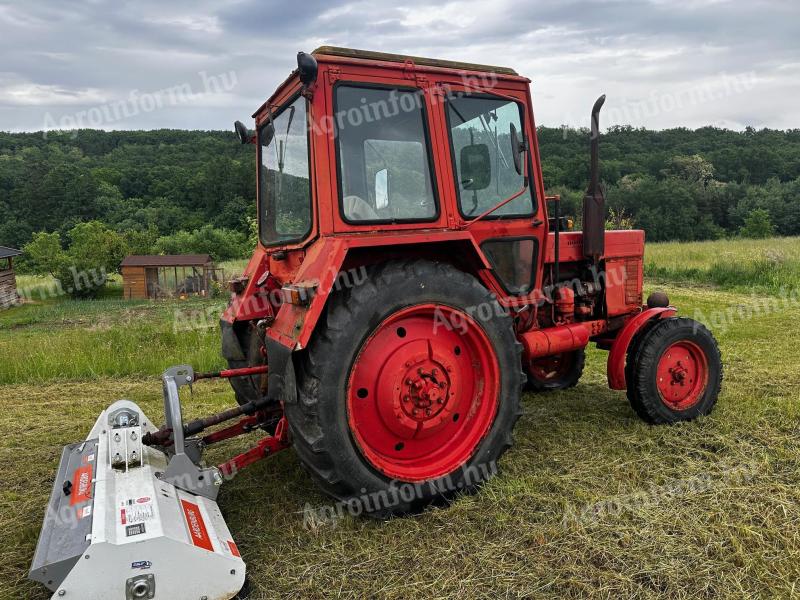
(518, 149)
(382, 189)
(476, 167)
(307, 67)
(242, 132)
(266, 133)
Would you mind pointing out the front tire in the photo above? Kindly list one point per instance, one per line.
(409, 389)
(675, 371)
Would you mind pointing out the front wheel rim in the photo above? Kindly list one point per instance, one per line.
(423, 392)
(682, 375)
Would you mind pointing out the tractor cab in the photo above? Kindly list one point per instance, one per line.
(381, 154)
(394, 143)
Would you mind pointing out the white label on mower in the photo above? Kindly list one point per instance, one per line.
(86, 511)
(137, 513)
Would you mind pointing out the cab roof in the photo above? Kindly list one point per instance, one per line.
(366, 55)
(417, 60)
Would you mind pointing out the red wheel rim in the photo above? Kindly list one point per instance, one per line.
(682, 375)
(551, 368)
(423, 392)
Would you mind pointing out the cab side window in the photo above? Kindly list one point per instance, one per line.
(385, 168)
(480, 136)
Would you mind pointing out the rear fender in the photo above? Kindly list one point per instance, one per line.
(334, 263)
(250, 304)
(619, 349)
(294, 323)
(319, 274)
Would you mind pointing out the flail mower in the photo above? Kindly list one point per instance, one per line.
(410, 281)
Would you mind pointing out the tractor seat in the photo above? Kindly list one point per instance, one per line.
(357, 209)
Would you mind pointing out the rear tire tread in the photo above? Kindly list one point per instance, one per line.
(309, 439)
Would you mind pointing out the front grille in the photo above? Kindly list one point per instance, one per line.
(633, 282)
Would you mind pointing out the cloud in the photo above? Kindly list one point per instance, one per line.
(60, 58)
(31, 94)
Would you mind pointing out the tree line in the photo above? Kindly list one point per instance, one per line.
(170, 190)
(682, 184)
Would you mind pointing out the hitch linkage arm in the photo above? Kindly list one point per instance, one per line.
(185, 469)
(164, 436)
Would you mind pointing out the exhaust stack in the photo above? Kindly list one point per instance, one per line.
(594, 202)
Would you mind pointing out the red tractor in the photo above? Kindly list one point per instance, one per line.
(409, 282)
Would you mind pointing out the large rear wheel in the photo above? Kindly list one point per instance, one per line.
(409, 389)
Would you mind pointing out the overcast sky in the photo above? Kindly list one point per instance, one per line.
(662, 63)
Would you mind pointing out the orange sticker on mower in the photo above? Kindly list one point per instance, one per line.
(197, 527)
(81, 485)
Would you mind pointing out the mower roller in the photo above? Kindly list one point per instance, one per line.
(411, 278)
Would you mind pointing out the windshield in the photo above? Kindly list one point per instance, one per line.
(284, 190)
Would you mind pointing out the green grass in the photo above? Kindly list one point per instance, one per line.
(234, 268)
(80, 339)
(703, 509)
(44, 288)
(768, 266)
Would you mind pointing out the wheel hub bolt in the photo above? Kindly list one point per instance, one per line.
(426, 390)
(678, 374)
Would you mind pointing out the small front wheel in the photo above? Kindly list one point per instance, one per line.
(675, 372)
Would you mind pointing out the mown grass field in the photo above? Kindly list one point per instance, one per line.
(589, 502)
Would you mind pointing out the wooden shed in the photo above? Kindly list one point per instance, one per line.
(8, 281)
(157, 276)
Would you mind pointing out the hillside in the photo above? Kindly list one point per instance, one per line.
(678, 184)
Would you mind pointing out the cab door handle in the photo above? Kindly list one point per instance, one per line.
(537, 222)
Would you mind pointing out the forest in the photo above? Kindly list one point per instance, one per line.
(170, 190)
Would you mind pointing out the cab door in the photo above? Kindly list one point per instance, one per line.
(484, 173)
